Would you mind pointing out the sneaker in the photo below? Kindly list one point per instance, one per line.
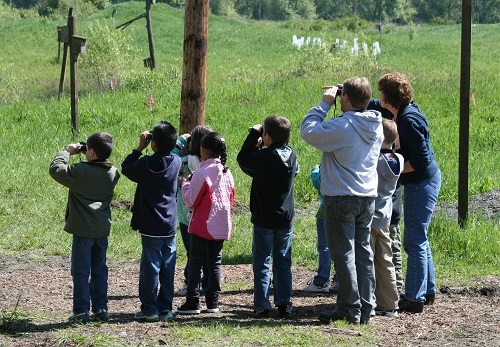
(80, 318)
(149, 318)
(386, 313)
(99, 316)
(182, 291)
(334, 288)
(166, 316)
(316, 288)
(213, 305)
(260, 312)
(410, 306)
(335, 315)
(189, 307)
(285, 311)
(430, 298)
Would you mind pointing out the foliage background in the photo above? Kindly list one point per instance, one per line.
(379, 11)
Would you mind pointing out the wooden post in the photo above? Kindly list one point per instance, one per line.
(73, 72)
(152, 63)
(463, 155)
(194, 65)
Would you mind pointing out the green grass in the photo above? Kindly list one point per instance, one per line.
(253, 71)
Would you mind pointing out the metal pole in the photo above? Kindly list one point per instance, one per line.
(463, 157)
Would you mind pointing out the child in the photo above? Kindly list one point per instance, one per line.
(210, 192)
(389, 167)
(154, 216)
(88, 217)
(273, 170)
(190, 163)
(319, 283)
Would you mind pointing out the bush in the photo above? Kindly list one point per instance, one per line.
(59, 8)
(107, 58)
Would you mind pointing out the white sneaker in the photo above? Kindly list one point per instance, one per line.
(311, 287)
(387, 313)
(182, 291)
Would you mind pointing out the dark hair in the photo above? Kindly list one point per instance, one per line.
(102, 143)
(278, 128)
(397, 89)
(215, 143)
(390, 131)
(197, 134)
(359, 91)
(165, 136)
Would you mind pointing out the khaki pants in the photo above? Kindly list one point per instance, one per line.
(386, 293)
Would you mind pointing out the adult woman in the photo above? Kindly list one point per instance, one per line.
(421, 179)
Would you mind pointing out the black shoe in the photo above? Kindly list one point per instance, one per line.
(332, 316)
(260, 312)
(430, 298)
(191, 306)
(285, 311)
(212, 305)
(410, 306)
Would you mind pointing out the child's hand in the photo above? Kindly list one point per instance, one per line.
(186, 136)
(143, 141)
(73, 148)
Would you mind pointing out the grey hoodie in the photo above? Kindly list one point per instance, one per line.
(351, 146)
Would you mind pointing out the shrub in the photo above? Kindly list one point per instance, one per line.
(106, 59)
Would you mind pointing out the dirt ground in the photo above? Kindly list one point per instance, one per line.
(460, 317)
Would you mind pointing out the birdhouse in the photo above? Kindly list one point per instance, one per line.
(63, 34)
(79, 44)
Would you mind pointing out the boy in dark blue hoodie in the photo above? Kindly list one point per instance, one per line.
(154, 216)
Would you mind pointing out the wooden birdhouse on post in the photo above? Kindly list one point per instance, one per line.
(76, 45)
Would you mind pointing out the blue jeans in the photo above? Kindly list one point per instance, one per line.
(347, 223)
(419, 201)
(208, 253)
(324, 259)
(278, 243)
(157, 266)
(88, 259)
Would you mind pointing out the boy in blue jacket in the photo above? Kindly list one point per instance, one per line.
(154, 216)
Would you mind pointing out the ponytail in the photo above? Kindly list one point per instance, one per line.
(215, 143)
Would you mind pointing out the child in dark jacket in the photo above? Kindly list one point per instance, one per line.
(210, 192)
(154, 216)
(88, 217)
(273, 170)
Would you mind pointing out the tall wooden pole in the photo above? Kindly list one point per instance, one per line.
(194, 65)
(463, 156)
(152, 62)
(73, 66)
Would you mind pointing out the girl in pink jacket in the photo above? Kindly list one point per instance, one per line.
(210, 193)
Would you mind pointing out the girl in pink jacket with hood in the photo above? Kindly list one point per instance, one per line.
(210, 193)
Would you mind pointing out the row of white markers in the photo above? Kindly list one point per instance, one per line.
(316, 41)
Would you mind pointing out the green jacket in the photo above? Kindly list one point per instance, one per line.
(91, 186)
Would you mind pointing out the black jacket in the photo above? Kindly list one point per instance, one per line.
(273, 170)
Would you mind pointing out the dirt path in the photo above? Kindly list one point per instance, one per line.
(463, 317)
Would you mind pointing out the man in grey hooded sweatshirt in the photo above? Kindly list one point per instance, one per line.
(351, 146)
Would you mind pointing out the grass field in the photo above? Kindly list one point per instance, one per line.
(253, 71)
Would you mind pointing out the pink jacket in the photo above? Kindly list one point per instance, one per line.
(211, 195)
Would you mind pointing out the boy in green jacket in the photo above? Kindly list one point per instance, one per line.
(88, 217)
